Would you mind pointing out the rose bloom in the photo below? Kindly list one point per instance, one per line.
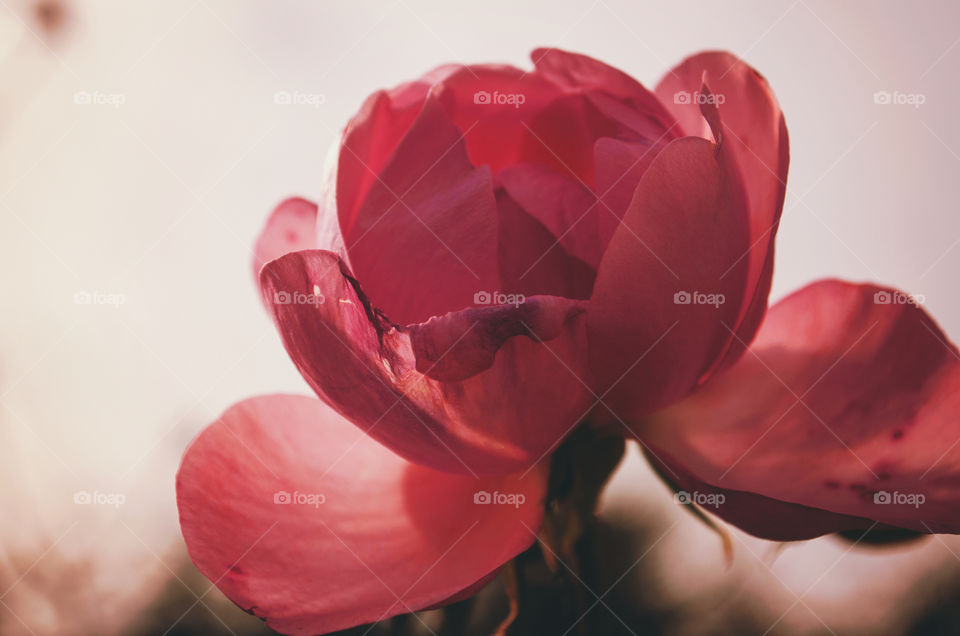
(502, 258)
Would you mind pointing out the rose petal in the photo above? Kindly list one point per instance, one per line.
(304, 521)
(531, 259)
(579, 72)
(493, 106)
(619, 166)
(686, 223)
(758, 515)
(842, 396)
(461, 344)
(425, 237)
(564, 206)
(757, 141)
(500, 419)
(371, 136)
(291, 227)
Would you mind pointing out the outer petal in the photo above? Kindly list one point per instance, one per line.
(658, 317)
(304, 521)
(425, 237)
(756, 138)
(291, 227)
(508, 399)
(846, 394)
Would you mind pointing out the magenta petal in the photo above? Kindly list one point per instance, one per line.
(371, 136)
(493, 105)
(756, 138)
(301, 519)
(658, 318)
(425, 237)
(758, 515)
(503, 418)
(578, 72)
(460, 345)
(291, 227)
(848, 395)
(566, 207)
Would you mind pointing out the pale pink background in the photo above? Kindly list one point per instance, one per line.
(160, 200)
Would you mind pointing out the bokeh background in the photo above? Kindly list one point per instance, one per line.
(130, 318)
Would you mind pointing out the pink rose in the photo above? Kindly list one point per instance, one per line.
(501, 256)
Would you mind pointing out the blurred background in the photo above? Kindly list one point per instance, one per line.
(141, 147)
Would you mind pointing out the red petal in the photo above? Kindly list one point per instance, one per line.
(292, 226)
(425, 238)
(757, 141)
(842, 396)
(760, 516)
(499, 419)
(496, 134)
(565, 207)
(371, 136)
(579, 72)
(531, 259)
(363, 534)
(686, 224)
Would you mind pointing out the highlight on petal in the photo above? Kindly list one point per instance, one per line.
(291, 227)
(756, 139)
(846, 402)
(659, 316)
(486, 390)
(303, 520)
